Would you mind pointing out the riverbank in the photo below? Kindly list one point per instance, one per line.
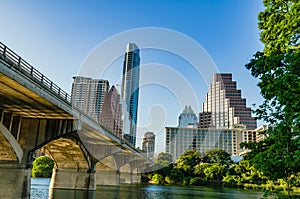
(265, 189)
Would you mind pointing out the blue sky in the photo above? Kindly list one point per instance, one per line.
(57, 36)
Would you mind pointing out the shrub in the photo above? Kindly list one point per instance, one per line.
(42, 167)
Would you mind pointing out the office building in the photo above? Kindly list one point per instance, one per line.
(179, 140)
(224, 107)
(187, 118)
(111, 113)
(130, 92)
(148, 144)
(88, 95)
(205, 120)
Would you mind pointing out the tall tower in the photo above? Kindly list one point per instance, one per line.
(187, 118)
(224, 107)
(130, 91)
(88, 95)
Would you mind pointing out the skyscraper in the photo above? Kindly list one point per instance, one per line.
(224, 107)
(110, 116)
(187, 117)
(88, 95)
(130, 91)
(148, 144)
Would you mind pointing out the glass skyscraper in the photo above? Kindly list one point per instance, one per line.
(187, 118)
(130, 92)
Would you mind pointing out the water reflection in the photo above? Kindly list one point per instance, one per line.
(71, 194)
(142, 191)
(39, 188)
(156, 192)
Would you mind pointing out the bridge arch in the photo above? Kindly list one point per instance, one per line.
(67, 153)
(107, 172)
(126, 174)
(73, 165)
(10, 148)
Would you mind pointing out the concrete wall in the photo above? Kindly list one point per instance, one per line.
(14, 182)
(72, 179)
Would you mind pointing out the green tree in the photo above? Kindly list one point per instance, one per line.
(215, 172)
(42, 167)
(158, 178)
(175, 176)
(199, 169)
(244, 172)
(218, 156)
(163, 164)
(163, 159)
(188, 161)
(278, 69)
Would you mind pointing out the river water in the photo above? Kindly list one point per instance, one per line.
(40, 189)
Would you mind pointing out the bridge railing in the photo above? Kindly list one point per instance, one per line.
(16, 62)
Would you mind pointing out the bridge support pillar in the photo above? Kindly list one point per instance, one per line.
(107, 178)
(136, 178)
(14, 181)
(72, 179)
(126, 178)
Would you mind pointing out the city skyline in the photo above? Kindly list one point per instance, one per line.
(61, 35)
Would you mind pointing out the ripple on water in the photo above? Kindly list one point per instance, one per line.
(39, 188)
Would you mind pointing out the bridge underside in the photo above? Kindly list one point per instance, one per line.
(33, 117)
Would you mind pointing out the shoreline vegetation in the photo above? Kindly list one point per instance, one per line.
(215, 168)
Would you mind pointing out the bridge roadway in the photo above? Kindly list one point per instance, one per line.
(35, 114)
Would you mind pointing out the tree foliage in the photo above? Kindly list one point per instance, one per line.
(244, 172)
(214, 167)
(217, 156)
(188, 161)
(164, 157)
(278, 69)
(42, 167)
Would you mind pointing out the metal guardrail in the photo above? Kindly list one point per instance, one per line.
(16, 62)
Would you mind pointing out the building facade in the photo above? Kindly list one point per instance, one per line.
(148, 144)
(187, 118)
(205, 120)
(224, 107)
(130, 92)
(111, 113)
(179, 140)
(88, 95)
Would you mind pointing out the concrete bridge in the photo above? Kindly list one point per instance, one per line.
(35, 114)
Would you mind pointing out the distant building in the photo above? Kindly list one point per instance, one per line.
(88, 95)
(110, 116)
(224, 107)
(179, 140)
(187, 118)
(148, 144)
(130, 92)
(261, 136)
